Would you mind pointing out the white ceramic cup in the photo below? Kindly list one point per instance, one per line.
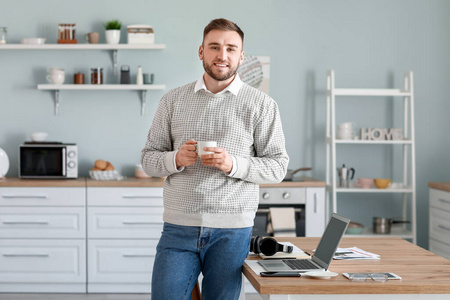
(346, 125)
(345, 134)
(202, 144)
(55, 70)
(56, 78)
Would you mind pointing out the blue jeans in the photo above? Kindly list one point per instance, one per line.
(185, 251)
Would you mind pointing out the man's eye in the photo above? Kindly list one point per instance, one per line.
(231, 49)
(214, 48)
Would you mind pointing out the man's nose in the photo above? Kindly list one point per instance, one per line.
(222, 54)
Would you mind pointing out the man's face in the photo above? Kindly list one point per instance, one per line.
(222, 54)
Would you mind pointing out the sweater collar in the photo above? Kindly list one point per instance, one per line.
(233, 87)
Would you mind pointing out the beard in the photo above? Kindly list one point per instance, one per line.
(220, 76)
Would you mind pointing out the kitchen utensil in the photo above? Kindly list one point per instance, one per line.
(365, 183)
(33, 41)
(125, 74)
(382, 183)
(78, 78)
(290, 173)
(2, 35)
(92, 37)
(354, 228)
(148, 78)
(56, 78)
(344, 176)
(38, 136)
(4, 163)
(96, 75)
(383, 225)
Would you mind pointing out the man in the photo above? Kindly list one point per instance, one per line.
(210, 201)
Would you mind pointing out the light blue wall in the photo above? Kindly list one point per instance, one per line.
(367, 43)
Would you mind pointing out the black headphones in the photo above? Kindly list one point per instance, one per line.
(267, 246)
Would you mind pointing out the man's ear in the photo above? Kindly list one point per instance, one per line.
(200, 52)
(241, 59)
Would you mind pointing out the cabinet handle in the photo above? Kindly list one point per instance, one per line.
(443, 227)
(315, 203)
(25, 222)
(25, 255)
(138, 255)
(444, 201)
(140, 223)
(25, 196)
(140, 197)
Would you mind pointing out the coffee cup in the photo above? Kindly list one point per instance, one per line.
(346, 125)
(92, 37)
(201, 145)
(56, 78)
(365, 183)
(382, 183)
(55, 70)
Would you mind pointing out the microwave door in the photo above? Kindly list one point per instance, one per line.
(64, 166)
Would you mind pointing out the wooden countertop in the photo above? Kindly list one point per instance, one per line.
(129, 182)
(422, 272)
(18, 182)
(443, 186)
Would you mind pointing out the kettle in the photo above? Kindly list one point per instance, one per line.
(345, 175)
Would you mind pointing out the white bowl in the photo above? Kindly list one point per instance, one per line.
(38, 136)
(34, 41)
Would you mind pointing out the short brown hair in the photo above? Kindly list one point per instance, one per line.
(225, 25)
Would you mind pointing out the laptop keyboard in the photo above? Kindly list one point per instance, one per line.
(300, 264)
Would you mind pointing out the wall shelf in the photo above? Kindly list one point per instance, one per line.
(112, 47)
(101, 87)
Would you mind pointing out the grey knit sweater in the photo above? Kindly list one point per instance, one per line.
(248, 126)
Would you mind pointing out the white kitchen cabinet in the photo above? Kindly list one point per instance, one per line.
(315, 218)
(439, 228)
(42, 239)
(124, 226)
(407, 188)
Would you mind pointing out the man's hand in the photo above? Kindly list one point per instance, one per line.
(186, 155)
(220, 159)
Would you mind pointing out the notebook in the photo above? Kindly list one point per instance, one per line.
(323, 256)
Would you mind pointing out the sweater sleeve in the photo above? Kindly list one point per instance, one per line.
(157, 157)
(269, 164)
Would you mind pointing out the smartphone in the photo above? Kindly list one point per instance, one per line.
(389, 275)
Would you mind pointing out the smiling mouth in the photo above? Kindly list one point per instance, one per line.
(219, 65)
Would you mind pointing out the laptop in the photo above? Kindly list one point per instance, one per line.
(323, 256)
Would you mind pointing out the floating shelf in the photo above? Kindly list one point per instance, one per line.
(101, 87)
(371, 142)
(82, 47)
(375, 190)
(400, 232)
(113, 47)
(370, 92)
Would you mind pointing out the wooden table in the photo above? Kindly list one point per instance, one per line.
(423, 273)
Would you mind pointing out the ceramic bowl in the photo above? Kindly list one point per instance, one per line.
(38, 136)
(382, 183)
(33, 41)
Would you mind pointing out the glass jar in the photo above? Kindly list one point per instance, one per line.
(2, 35)
(96, 75)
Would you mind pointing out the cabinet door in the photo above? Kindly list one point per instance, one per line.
(439, 248)
(31, 196)
(42, 261)
(440, 199)
(440, 225)
(125, 222)
(315, 212)
(152, 197)
(117, 266)
(42, 222)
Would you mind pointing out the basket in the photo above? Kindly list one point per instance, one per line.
(105, 175)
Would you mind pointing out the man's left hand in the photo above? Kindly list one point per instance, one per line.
(220, 159)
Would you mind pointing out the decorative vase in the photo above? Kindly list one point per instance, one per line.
(112, 36)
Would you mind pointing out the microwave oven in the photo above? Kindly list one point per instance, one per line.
(48, 160)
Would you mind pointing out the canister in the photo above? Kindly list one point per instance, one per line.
(96, 75)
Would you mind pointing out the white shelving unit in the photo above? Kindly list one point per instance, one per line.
(110, 47)
(102, 87)
(408, 186)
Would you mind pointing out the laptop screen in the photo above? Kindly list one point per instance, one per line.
(331, 238)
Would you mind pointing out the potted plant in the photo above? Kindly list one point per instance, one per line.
(112, 31)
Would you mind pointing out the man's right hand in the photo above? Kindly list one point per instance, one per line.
(187, 154)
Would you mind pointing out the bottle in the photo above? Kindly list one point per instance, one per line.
(139, 77)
